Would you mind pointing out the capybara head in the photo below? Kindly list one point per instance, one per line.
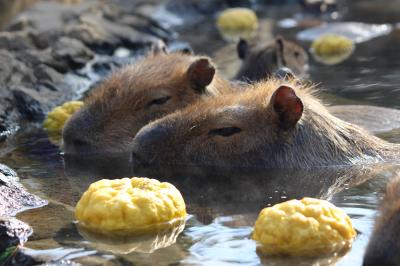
(261, 60)
(384, 245)
(275, 124)
(135, 95)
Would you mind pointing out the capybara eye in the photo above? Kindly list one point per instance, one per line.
(296, 54)
(224, 131)
(158, 101)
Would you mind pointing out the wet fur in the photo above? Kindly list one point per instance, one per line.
(119, 107)
(384, 245)
(318, 139)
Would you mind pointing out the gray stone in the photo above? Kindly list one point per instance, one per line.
(14, 198)
(72, 51)
(7, 171)
(13, 232)
(16, 40)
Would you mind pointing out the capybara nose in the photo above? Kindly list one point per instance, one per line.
(149, 140)
(284, 73)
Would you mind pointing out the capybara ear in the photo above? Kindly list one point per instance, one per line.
(287, 106)
(241, 48)
(158, 48)
(279, 53)
(201, 73)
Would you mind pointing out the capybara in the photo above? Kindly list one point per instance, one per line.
(275, 124)
(384, 244)
(260, 60)
(137, 94)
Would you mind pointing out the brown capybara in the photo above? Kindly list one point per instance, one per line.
(137, 94)
(275, 124)
(384, 244)
(261, 60)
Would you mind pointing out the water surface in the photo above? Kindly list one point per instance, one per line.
(223, 205)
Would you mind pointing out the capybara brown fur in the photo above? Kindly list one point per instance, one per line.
(274, 124)
(260, 60)
(133, 96)
(384, 244)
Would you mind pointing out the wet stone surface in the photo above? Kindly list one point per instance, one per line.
(44, 55)
(13, 232)
(14, 198)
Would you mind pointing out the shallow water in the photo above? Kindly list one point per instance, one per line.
(223, 205)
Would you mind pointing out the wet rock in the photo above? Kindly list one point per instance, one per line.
(29, 103)
(44, 39)
(356, 31)
(49, 54)
(14, 198)
(7, 171)
(74, 52)
(16, 40)
(45, 73)
(13, 232)
(114, 33)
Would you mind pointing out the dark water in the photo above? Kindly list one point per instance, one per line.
(223, 205)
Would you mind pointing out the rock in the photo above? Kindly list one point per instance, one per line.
(14, 198)
(46, 73)
(113, 33)
(13, 232)
(356, 31)
(7, 171)
(43, 55)
(16, 40)
(44, 39)
(29, 103)
(74, 52)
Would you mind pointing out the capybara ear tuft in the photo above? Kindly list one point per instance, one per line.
(287, 106)
(201, 72)
(241, 48)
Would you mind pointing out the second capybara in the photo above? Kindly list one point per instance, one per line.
(133, 96)
(384, 244)
(275, 124)
(260, 60)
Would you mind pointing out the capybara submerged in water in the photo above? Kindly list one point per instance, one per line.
(135, 95)
(275, 124)
(260, 60)
(384, 244)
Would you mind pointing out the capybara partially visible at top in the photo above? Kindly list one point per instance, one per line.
(135, 95)
(260, 60)
(384, 244)
(275, 124)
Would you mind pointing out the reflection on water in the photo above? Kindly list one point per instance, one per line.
(223, 204)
